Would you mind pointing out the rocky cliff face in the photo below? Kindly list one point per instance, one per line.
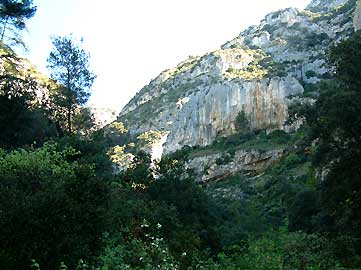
(213, 112)
(252, 161)
(259, 72)
(357, 17)
(325, 6)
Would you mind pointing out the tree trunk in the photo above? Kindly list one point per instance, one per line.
(69, 100)
(69, 120)
(4, 28)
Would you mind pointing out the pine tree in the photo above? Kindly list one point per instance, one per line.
(69, 65)
(13, 14)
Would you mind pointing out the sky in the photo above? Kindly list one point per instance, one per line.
(131, 41)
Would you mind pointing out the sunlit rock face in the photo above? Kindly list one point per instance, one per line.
(252, 161)
(325, 5)
(213, 112)
(260, 72)
(357, 16)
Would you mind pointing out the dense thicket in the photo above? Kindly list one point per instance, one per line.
(334, 124)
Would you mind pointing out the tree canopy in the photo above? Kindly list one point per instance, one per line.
(70, 67)
(13, 15)
(334, 122)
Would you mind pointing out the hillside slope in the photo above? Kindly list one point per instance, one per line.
(260, 72)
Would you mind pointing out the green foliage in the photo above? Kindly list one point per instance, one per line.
(224, 159)
(83, 121)
(59, 202)
(165, 196)
(115, 135)
(334, 124)
(117, 127)
(345, 57)
(242, 123)
(145, 252)
(303, 210)
(291, 251)
(335, 121)
(262, 66)
(13, 15)
(277, 251)
(23, 118)
(69, 65)
(309, 251)
(120, 157)
(257, 140)
(310, 74)
(310, 90)
(150, 137)
(138, 175)
(81, 265)
(91, 150)
(21, 125)
(63, 266)
(34, 265)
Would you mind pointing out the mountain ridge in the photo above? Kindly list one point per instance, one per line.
(260, 72)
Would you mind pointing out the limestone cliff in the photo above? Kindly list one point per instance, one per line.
(357, 17)
(213, 112)
(325, 6)
(260, 72)
(252, 161)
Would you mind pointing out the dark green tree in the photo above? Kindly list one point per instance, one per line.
(21, 125)
(23, 120)
(34, 265)
(69, 65)
(335, 127)
(52, 208)
(63, 266)
(242, 123)
(338, 126)
(13, 15)
(81, 265)
(301, 211)
(84, 121)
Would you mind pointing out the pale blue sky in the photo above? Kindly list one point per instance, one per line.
(132, 41)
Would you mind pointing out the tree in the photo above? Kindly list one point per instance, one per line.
(84, 121)
(242, 123)
(22, 116)
(60, 202)
(339, 128)
(22, 125)
(69, 65)
(14, 13)
(335, 124)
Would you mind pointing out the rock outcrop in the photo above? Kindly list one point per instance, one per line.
(259, 72)
(357, 17)
(325, 6)
(251, 161)
(213, 112)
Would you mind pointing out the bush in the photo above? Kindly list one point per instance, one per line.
(51, 208)
(242, 122)
(310, 74)
(288, 251)
(279, 137)
(224, 159)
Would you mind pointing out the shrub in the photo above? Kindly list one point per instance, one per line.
(224, 159)
(310, 74)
